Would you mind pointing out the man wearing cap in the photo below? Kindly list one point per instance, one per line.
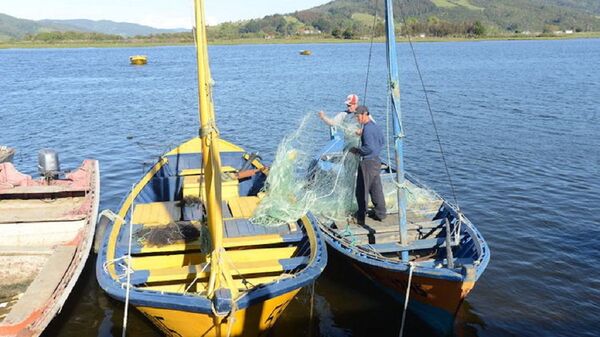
(351, 104)
(368, 181)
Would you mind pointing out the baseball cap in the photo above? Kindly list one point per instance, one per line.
(352, 99)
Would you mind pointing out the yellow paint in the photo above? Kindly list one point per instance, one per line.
(242, 207)
(198, 171)
(256, 163)
(156, 213)
(202, 271)
(173, 248)
(194, 286)
(194, 145)
(193, 186)
(193, 258)
(138, 59)
(114, 234)
(249, 322)
(255, 240)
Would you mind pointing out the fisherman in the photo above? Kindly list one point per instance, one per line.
(338, 119)
(368, 181)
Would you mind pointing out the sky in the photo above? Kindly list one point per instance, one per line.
(155, 13)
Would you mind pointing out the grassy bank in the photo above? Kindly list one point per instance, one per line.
(139, 43)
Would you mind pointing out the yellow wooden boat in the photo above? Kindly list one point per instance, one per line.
(305, 52)
(138, 59)
(182, 249)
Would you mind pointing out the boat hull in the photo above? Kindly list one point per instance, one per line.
(59, 248)
(252, 321)
(435, 301)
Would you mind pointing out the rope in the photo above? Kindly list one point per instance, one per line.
(129, 271)
(370, 53)
(387, 127)
(312, 305)
(410, 273)
(437, 135)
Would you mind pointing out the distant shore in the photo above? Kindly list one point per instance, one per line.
(135, 44)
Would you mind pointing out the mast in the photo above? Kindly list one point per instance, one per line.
(211, 159)
(394, 82)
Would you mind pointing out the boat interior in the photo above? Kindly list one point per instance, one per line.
(171, 244)
(432, 226)
(42, 225)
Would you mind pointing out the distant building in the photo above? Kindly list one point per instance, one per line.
(569, 31)
(422, 35)
(526, 32)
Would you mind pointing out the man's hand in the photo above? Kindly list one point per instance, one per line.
(358, 132)
(321, 114)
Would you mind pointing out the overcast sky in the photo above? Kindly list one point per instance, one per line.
(155, 13)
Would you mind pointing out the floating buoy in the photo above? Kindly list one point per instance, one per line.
(138, 59)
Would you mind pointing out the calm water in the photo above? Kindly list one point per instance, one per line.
(519, 121)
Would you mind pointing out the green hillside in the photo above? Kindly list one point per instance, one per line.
(441, 18)
(12, 28)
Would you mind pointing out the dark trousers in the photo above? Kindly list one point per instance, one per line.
(368, 182)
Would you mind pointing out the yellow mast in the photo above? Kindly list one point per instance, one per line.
(211, 159)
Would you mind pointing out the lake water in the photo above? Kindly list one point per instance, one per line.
(520, 122)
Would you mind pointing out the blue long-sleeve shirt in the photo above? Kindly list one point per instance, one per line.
(372, 141)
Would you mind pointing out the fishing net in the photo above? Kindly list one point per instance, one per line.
(174, 232)
(298, 182)
(305, 176)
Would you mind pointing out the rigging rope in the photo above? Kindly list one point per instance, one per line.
(370, 54)
(431, 114)
(129, 270)
(410, 273)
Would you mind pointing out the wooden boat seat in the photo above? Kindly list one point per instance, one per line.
(36, 210)
(243, 227)
(238, 233)
(391, 247)
(43, 286)
(156, 213)
(202, 271)
(243, 207)
(193, 183)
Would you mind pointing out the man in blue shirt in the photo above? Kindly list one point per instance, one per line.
(368, 180)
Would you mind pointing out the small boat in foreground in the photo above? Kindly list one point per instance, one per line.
(138, 59)
(182, 248)
(305, 52)
(47, 228)
(6, 154)
(425, 247)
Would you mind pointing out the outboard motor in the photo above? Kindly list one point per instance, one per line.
(48, 164)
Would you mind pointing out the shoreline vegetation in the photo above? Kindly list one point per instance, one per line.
(154, 42)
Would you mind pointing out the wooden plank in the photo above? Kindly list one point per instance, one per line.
(156, 213)
(181, 286)
(243, 207)
(185, 259)
(241, 241)
(36, 210)
(202, 271)
(42, 288)
(260, 240)
(392, 247)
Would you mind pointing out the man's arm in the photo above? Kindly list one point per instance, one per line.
(326, 119)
